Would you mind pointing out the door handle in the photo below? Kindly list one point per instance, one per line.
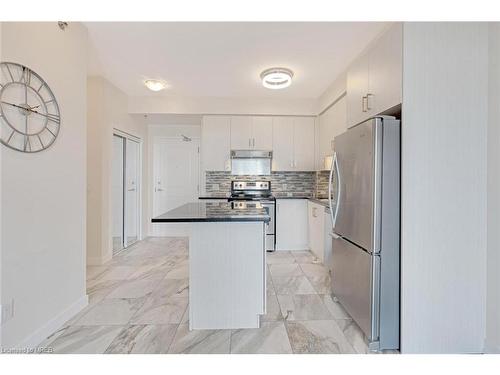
(335, 165)
(330, 183)
(133, 189)
(368, 96)
(364, 101)
(158, 189)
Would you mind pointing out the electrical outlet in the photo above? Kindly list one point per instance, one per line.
(7, 311)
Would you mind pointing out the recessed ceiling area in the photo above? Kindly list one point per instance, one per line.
(225, 59)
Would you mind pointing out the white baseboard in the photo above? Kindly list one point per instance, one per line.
(54, 324)
(98, 261)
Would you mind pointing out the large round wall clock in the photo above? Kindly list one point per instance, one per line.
(29, 113)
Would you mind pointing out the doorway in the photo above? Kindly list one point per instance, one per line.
(126, 191)
(175, 175)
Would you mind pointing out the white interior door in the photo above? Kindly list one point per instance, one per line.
(132, 191)
(176, 173)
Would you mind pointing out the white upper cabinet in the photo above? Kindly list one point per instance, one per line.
(262, 132)
(290, 138)
(283, 144)
(357, 89)
(374, 79)
(303, 143)
(331, 123)
(251, 132)
(386, 71)
(293, 144)
(215, 143)
(241, 132)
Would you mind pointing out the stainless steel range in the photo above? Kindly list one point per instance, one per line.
(260, 191)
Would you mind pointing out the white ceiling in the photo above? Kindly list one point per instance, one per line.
(199, 59)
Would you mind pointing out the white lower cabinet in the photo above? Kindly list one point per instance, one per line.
(327, 240)
(316, 221)
(291, 224)
(320, 227)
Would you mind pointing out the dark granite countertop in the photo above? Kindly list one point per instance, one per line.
(285, 196)
(321, 201)
(215, 211)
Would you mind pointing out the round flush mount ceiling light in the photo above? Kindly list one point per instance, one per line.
(276, 78)
(155, 85)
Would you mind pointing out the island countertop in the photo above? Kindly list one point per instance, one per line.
(215, 211)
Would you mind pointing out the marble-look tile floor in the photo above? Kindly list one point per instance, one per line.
(138, 303)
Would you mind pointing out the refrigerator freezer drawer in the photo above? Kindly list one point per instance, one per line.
(353, 274)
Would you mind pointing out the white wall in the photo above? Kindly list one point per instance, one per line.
(216, 106)
(493, 271)
(107, 109)
(332, 93)
(1, 278)
(43, 195)
(444, 124)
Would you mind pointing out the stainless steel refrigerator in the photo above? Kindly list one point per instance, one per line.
(365, 201)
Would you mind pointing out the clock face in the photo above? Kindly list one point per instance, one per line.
(29, 113)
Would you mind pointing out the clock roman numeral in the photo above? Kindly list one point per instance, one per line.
(51, 132)
(53, 118)
(25, 76)
(10, 73)
(10, 136)
(40, 140)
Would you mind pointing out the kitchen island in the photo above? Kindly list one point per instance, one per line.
(227, 262)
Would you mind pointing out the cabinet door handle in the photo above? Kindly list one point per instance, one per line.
(364, 104)
(368, 107)
(253, 144)
(249, 142)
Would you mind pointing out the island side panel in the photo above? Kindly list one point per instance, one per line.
(226, 275)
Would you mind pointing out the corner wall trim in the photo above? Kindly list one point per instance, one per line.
(332, 103)
(55, 323)
(99, 261)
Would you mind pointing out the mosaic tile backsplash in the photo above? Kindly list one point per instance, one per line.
(322, 184)
(295, 184)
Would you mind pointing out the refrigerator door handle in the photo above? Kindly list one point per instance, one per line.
(335, 164)
(330, 183)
